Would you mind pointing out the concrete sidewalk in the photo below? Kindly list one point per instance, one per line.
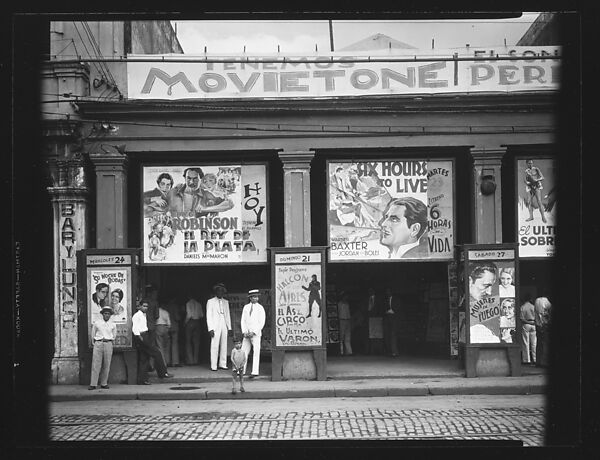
(264, 388)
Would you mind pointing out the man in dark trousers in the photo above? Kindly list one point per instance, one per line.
(146, 347)
(152, 316)
(390, 322)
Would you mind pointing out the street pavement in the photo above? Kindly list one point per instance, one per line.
(432, 418)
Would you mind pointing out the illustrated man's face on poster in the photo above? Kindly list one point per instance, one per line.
(192, 179)
(102, 293)
(165, 185)
(394, 228)
(482, 286)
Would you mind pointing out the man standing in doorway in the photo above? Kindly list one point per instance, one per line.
(218, 322)
(390, 323)
(345, 320)
(146, 348)
(175, 314)
(163, 324)
(528, 333)
(193, 315)
(253, 320)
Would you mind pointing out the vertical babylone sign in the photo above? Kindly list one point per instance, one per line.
(491, 278)
(536, 206)
(390, 210)
(110, 286)
(299, 300)
(204, 214)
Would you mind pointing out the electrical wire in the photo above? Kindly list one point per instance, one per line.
(98, 52)
(329, 129)
(95, 62)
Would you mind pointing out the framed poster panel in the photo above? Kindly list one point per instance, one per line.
(536, 207)
(299, 296)
(492, 291)
(203, 214)
(390, 210)
(110, 280)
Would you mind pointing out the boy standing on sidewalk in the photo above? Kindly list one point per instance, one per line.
(238, 362)
(104, 332)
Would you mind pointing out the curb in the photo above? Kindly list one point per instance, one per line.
(204, 394)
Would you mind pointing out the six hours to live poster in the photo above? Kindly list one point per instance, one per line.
(391, 209)
(205, 214)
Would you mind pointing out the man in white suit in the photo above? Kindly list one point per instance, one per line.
(253, 320)
(218, 322)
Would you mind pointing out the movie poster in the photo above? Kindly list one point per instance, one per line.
(536, 207)
(299, 306)
(492, 312)
(204, 214)
(111, 287)
(391, 210)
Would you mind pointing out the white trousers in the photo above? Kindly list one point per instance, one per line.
(218, 344)
(529, 342)
(254, 342)
(101, 358)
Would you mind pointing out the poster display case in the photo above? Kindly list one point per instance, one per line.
(489, 277)
(299, 313)
(110, 279)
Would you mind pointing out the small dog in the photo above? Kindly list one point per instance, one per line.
(238, 361)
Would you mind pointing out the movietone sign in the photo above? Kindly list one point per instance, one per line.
(391, 210)
(204, 214)
(340, 74)
(536, 207)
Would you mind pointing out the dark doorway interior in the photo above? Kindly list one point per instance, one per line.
(422, 288)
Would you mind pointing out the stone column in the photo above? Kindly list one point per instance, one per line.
(296, 189)
(69, 195)
(110, 163)
(487, 220)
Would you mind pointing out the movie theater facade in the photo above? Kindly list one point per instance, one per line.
(380, 171)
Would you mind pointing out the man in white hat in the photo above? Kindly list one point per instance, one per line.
(253, 320)
(218, 322)
(104, 332)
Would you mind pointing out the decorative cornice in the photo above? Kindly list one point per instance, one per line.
(296, 159)
(484, 155)
(68, 193)
(108, 155)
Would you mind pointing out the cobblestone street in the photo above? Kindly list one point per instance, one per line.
(386, 418)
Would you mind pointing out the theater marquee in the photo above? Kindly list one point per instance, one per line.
(173, 77)
(204, 214)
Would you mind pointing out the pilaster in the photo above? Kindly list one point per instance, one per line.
(296, 186)
(110, 163)
(69, 196)
(487, 194)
